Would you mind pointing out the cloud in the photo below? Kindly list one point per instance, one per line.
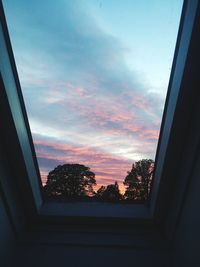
(107, 167)
(85, 104)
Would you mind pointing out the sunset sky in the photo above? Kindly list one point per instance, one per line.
(94, 76)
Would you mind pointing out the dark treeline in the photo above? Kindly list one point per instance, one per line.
(76, 182)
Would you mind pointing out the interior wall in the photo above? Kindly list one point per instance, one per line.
(187, 239)
(76, 256)
(7, 237)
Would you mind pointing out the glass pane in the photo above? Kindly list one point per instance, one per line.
(94, 76)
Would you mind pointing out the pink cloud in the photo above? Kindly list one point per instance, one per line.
(125, 120)
(115, 118)
(108, 168)
(122, 114)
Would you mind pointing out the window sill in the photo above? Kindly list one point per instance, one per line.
(95, 209)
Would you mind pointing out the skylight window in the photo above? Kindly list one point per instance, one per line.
(94, 76)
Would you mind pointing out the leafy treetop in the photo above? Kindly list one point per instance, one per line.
(70, 180)
(138, 180)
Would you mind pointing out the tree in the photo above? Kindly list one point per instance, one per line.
(70, 181)
(138, 180)
(110, 192)
(100, 192)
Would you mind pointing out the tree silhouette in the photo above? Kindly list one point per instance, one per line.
(70, 181)
(138, 180)
(110, 192)
(100, 192)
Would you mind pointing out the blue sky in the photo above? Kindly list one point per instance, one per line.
(94, 75)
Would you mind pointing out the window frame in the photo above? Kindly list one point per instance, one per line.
(26, 173)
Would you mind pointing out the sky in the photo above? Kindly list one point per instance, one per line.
(94, 76)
